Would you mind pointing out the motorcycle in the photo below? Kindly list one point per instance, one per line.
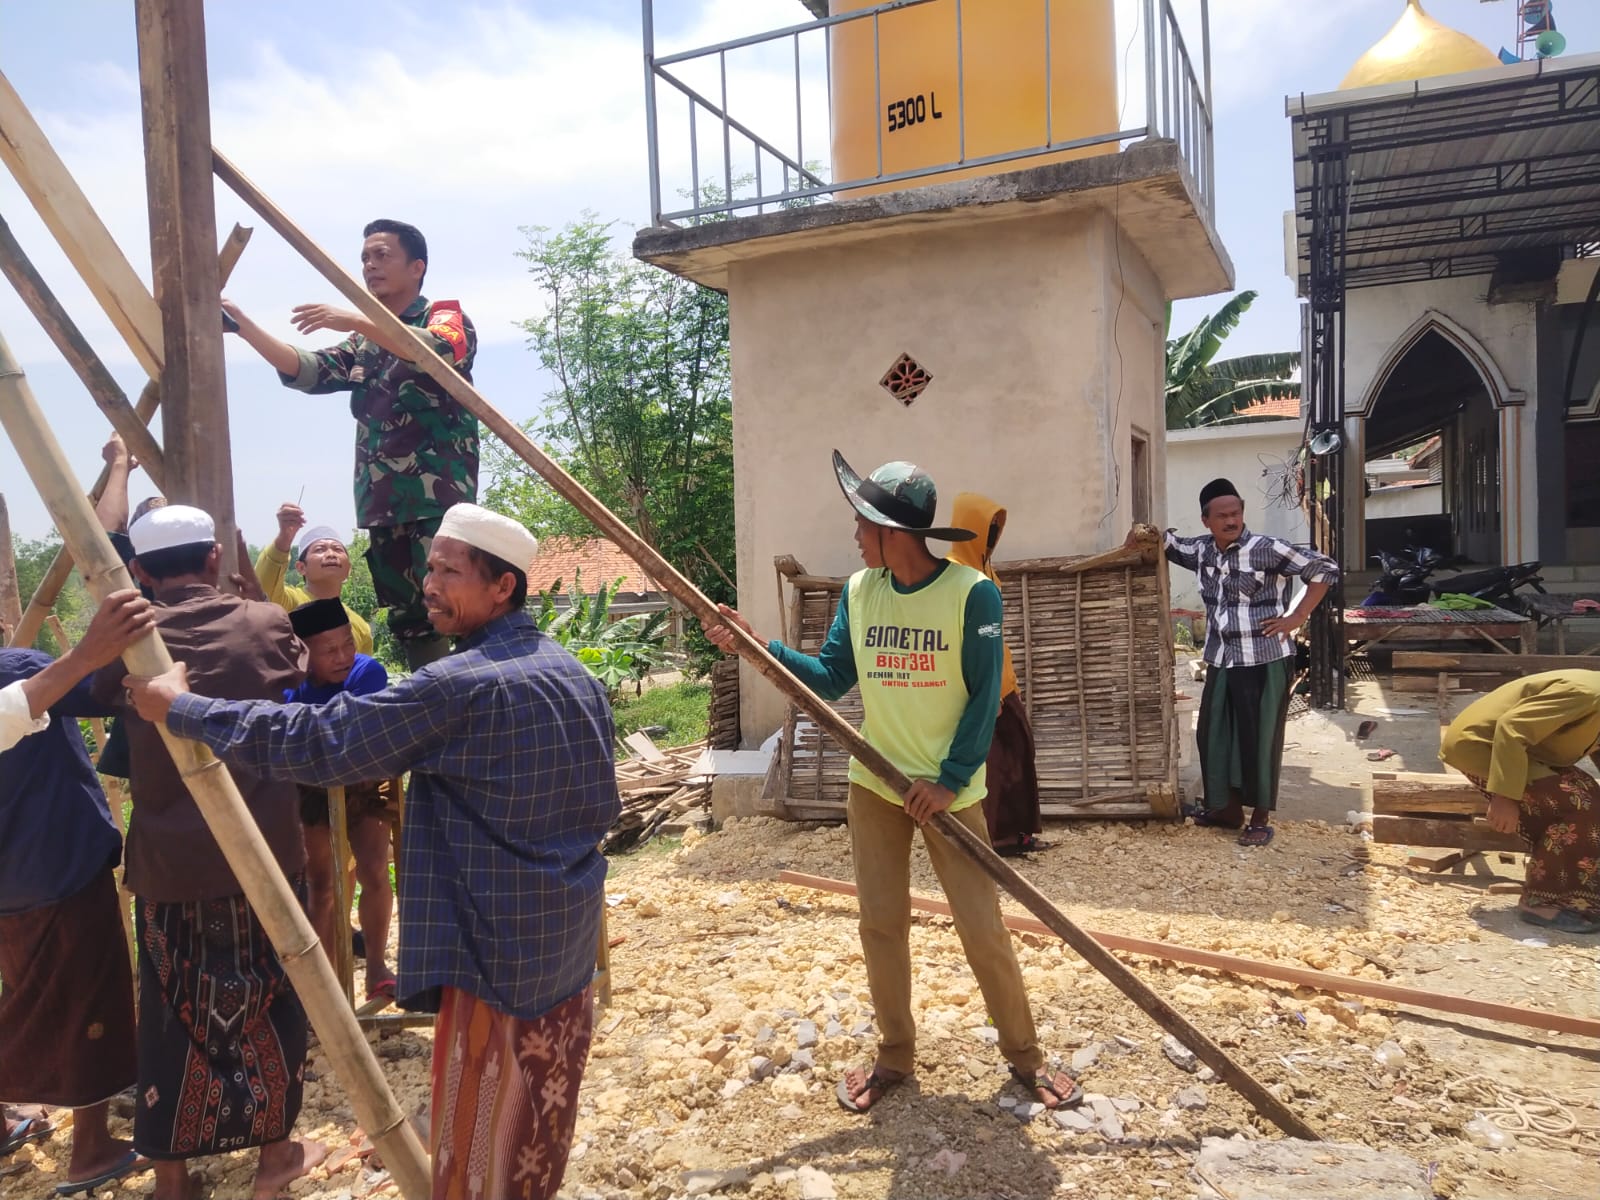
(1407, 579)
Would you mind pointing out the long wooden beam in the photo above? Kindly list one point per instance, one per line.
(175, 100)
(977, 849)
(1476, 834)
(220, 803)
(64, 333)
(45, 595)
(1499, 664)
(1416, 792)
(1249, 968)
(84, 239)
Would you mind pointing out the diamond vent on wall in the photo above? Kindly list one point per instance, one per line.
(906, 379)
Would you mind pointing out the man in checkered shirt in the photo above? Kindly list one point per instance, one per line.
(513, 784)
(1249, 653)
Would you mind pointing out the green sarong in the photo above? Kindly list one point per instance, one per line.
(1240, 734)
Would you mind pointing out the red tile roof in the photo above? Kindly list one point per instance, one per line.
(600, 560)
(1278, 406)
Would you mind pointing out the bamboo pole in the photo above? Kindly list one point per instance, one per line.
(45, 595)
(657, 567)
(10, 597)
(1250, 968)
(83, 237)
(19, 270)
(220, 803)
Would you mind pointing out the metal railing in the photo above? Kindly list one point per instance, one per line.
(750, 170)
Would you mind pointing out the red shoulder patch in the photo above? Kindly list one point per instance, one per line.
(446, 320)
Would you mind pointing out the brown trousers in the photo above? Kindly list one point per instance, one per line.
(880, 844)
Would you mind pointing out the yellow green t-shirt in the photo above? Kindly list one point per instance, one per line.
(927, 659)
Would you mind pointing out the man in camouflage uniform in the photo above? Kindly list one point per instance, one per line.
(416, 448)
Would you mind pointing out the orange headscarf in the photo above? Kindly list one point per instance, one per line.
(988, 520)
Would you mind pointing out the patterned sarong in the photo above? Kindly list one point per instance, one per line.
(66, 1000)
(505, 1097)
(1558, 818)
(222, 1036)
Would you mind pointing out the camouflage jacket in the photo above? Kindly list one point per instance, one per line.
(416, 448)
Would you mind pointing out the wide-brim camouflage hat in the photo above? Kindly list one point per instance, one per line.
(898, 495)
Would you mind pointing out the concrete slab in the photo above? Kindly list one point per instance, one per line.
(1147, 187)
(1291, 1169)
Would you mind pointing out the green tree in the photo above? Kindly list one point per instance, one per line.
(73, 607)
(640, 413)
(1201, 391)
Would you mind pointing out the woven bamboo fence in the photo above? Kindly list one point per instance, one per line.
(1093, 656)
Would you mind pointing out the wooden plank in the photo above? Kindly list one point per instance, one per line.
(1511, 664)
(1395, 792)
(1475, 834)
(74, 347)
(1437, 860)
(343, 949)
(175, 99)
(641, 745)
(1324, 981)
(61, 204)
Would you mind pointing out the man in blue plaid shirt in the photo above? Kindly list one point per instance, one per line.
(513, 784)
(1245, 583)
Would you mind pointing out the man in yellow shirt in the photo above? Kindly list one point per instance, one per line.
(1521, 745)
(324, 562)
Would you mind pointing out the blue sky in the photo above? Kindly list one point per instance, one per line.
(534, 113)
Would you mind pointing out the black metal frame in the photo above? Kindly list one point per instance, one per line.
(1324, 378)
(1491, 182)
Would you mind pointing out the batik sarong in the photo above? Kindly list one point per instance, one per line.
(66, 1000)
(1558, 819)
(505, 1097)
(1240, 734)
(222, 1035)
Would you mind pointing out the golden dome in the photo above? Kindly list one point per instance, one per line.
(1416, 48)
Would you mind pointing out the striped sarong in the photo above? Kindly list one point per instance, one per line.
(505, 1097)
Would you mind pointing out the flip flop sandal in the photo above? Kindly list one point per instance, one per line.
(130, 1162)
(1205, 819)
(1566, 920)
(384, 987)
(876, 1081)
(29, 1129)
(1043, 1080)
(1257, 835)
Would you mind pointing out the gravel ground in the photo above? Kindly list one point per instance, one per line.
(740, 1001)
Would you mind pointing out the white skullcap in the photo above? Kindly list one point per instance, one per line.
(491, 533)
(319, 533)
(171, 525)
